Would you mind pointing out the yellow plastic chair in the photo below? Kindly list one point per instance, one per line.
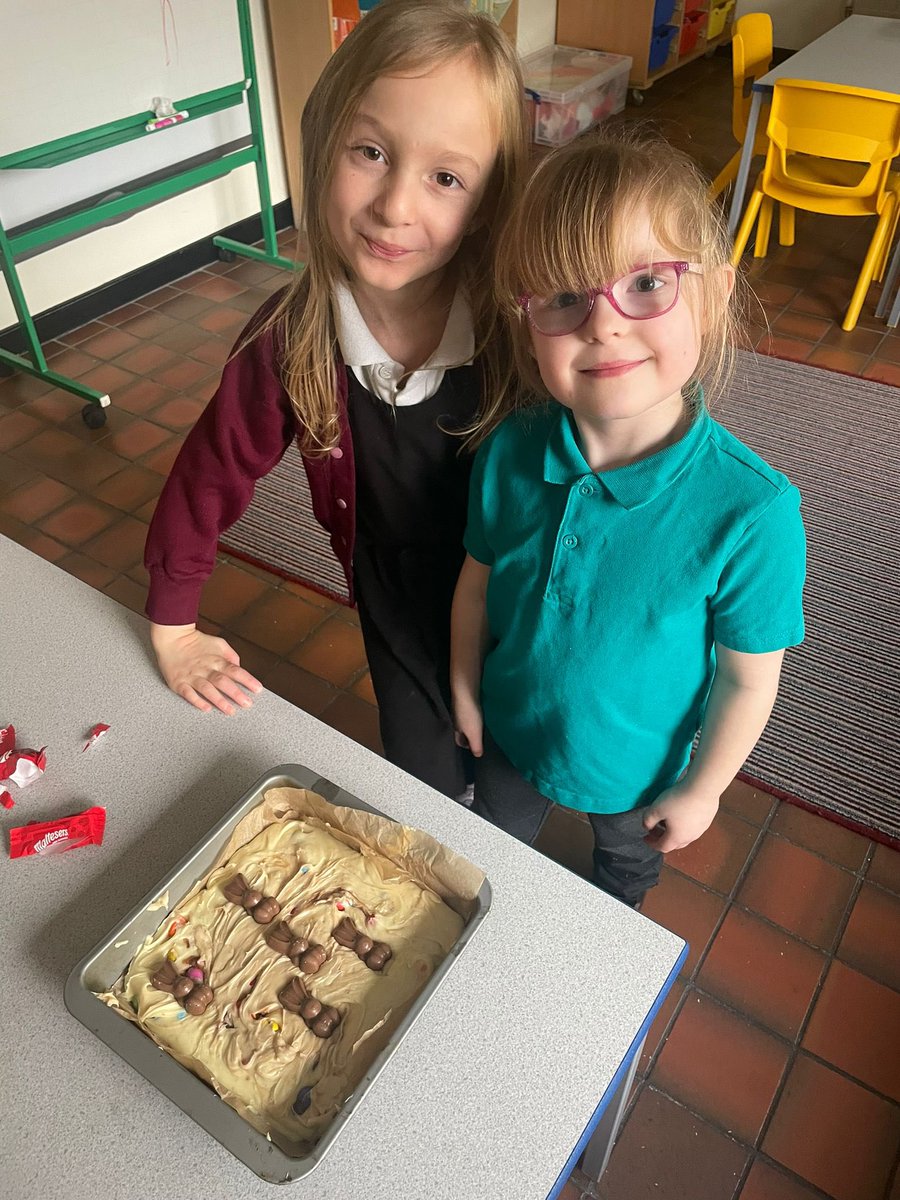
(751, 58)
(830, 151)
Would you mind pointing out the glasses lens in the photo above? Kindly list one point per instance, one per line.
(649, 292)
(560, 313)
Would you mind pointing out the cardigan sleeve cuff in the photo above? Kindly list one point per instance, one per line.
(172, 603)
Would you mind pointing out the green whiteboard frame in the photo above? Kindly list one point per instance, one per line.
(116, 133)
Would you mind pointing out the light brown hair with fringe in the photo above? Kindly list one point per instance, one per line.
(397, 36)
(569, 232)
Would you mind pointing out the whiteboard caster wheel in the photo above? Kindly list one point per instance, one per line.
(93, 416)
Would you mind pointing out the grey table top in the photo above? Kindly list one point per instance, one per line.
(492, 1087)
(860, 52)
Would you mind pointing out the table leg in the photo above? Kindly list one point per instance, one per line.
(600, 1147)
(740, 184)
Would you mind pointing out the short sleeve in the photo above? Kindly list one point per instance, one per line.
(758, 605)
(476, 536)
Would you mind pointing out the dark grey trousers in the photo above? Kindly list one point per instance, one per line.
(625, 866)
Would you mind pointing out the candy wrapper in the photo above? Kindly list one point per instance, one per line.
(53, 837)
(6, 800)
(97, 732)
(20, 767)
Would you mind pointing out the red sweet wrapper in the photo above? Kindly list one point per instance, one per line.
(97, 732)
(53, 837)
(6, 800)
(22, 767)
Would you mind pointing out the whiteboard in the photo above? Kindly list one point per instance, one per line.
(73, 64)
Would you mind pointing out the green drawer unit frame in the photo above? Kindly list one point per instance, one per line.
(37, 234)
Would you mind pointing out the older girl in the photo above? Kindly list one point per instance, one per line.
(372, 360)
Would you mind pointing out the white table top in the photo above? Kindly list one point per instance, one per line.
(860, 52)
(492, 1087)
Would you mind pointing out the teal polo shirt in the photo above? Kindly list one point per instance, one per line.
(608, 590)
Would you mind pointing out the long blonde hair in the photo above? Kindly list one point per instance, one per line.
(396, 36)
(569, 231)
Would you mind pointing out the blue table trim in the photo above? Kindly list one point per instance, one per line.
(617, 1079)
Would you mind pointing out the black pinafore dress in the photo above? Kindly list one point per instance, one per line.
(412, 481)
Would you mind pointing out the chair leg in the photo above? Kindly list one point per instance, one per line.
(873, 256)
(724, 177)
(763, 228)
(786, 224)
(742, 236)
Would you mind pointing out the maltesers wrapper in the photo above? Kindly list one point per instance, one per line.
(53, 837)
(20, 767)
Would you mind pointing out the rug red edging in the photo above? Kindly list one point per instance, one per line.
(874, 835)
(287, 575)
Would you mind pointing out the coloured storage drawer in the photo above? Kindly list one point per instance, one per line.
(691, 31)
(660, 45)
(718, 18)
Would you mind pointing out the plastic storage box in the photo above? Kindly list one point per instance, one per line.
(573, 90)
(718, 18)
(660, 45)
(662, 12)
(691, 31)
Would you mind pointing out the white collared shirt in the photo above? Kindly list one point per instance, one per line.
(379, 373)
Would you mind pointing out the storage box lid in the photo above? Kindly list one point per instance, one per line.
(562, 73)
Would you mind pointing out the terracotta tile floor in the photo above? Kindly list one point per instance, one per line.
(773, 1072)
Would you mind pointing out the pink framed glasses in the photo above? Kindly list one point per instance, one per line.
(646, 292)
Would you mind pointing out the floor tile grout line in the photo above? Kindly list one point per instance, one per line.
(797, 1048)
(791, 1175)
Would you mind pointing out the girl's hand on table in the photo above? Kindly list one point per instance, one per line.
(678, 816)
(202, 669)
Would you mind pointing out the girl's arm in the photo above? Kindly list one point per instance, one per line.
(238, 438)
(468, 642)
(740, 701)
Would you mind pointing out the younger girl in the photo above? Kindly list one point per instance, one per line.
(372, 359)
(634, 572)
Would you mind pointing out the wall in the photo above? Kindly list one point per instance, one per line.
(796, 23)
(537, 25)
(49, 54)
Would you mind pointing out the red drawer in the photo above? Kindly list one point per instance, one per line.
(691, 31)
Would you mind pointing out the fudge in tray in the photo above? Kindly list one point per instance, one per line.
(282, 974)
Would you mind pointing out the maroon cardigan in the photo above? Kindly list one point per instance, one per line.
(240, 436)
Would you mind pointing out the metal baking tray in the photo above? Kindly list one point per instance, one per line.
(99, 970)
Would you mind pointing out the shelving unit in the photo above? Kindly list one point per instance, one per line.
(301, 37)
(627, 27)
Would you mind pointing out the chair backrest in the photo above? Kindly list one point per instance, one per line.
(829, 121)
(751, 57)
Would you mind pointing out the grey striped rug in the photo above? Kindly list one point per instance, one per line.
(278, 531)
(832, 742)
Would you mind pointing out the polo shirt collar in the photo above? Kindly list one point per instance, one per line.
(632, 485)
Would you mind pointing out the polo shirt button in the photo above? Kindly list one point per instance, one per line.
(385, 372)
(586, 489)
(341, 503)
(570, 541)
(337, 452)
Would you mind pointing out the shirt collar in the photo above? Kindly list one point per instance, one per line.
(359, 348)
(632, 485)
